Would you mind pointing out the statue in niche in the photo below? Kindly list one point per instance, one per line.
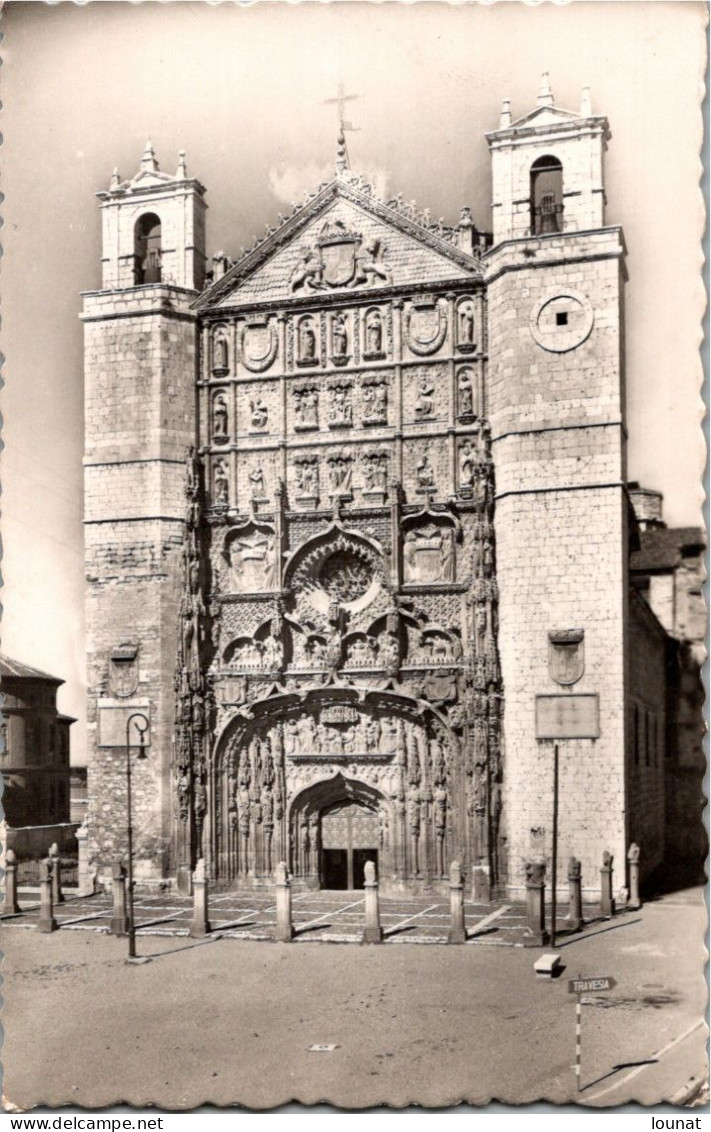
(339, 337)
(467, 463)
(389, 651)
(290, 737)
(252, 560)
(306, 408)
(437, 760)
(221, 481)
(260, 413)
(307, 733)
(424, 405)
(381, 401)
(273, 653)
(466, 394)
(447, 573)
(307, 343)
(425, 472)
(466, 324)
(372, 734)
(341, 409)
(375, 472)
(219, 352)
(256, 479)
(349, 738)
(373, 334)
(219, 417)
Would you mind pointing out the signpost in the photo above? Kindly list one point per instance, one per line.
(592, 984)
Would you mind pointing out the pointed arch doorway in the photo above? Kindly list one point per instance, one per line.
(337, 827)
(350, 836)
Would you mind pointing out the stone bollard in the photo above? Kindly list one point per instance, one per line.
(11, 907)
(536, 934)
(457, 932)
(47, 922)
(634, 901)
(284, 931)
(607, 904)
(119, 916)
(86, 877)
(200, 925)
(57, 894)
(574, 918)
(372, 932)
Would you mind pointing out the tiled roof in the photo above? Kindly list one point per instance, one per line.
(662, 548)
(10, 667)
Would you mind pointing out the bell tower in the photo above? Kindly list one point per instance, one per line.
(555, 278)
(140, 336)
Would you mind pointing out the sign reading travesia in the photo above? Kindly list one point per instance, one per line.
(575, 716)
(591, 984)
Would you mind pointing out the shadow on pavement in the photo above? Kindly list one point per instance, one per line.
(590, 935)
(617, 1068)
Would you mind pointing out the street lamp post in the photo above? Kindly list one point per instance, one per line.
(142, 728)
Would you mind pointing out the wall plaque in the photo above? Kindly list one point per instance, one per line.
(113, 719)
(568, 717)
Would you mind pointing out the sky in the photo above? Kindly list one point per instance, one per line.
(243, 89)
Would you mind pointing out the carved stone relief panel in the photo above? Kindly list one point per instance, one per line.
(259, 408)
(305, 405)
(467, 395)
(426, 394)
(303, 482)
(428, 552)
(250, 558)
(221, 493)
(374, 397)
(375, 474)
(426, 469)
(339, 398)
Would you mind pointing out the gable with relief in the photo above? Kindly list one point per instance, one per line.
(346, 247)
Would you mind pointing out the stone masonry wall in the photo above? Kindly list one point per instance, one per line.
(140, 371)
(561, 527)
(647, 733)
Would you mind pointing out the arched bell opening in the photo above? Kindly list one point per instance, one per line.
(147, 249)
(546, 196)
(336, 827)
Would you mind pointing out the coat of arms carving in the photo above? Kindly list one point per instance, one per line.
(123, 670)
(566, 655)
(340, 259)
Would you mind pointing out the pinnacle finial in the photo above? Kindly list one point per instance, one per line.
(115, 179)
(505, 119)
(545, 94)
(585, 103)
(149, 159)
(182, 173)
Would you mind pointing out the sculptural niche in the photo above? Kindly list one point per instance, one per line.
(428, 554)
(252, 562)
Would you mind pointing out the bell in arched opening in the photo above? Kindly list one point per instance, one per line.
(148, 249)
(546, 196)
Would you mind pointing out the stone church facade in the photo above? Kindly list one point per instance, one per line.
(357, 529)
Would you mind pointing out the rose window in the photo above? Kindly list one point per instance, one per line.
(345, 576)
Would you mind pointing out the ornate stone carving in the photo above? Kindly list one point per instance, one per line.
(307, 480)
(340, 471)
(339, 260)
(375, 474)
(424, 404)
(425, 475)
